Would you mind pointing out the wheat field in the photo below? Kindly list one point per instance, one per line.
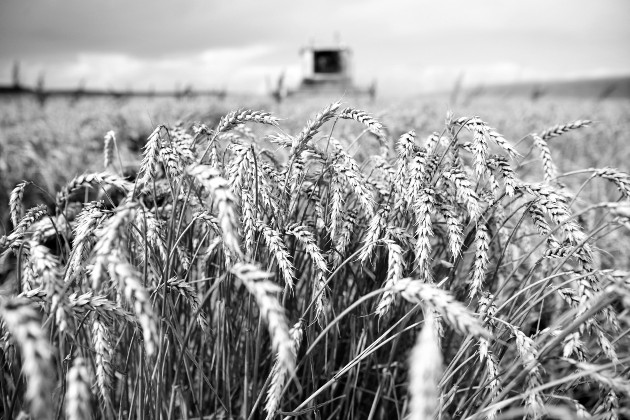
(342, 263)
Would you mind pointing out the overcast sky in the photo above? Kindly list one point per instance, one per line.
(407, 46)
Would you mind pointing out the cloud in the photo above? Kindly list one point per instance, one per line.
(408, 46)
(231, 68)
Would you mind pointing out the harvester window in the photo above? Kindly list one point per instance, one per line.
(327, 62)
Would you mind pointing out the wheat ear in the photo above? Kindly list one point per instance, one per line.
(16, 207)
(23, 322)
(416, 291)
(78, 392)
(279, 375)
(425, 369)
(257, 283)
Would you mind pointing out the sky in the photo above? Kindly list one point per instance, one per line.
(405, 46)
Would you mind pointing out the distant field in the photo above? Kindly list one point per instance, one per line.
(243, 259)
(580, 89)
(54, 143)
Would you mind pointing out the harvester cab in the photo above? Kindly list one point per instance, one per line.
(327, 70)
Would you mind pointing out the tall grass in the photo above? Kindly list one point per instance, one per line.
(245, 275)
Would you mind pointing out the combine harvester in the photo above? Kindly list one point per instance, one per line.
(325, 71)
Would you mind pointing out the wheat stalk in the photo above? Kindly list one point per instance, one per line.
(507, 173)
(224, 201)
(608, 408)
(150, 158)
(482, 240)
(425, 368)
(240, 116)
(395, 269)
(620, 178)
(279, 375)
(336, 204)
(248, 218)
(465, 191)
(344, 237)
(101, 178)
(78, 392)
(191, 297)
(364, 118)
(612, 381)
(528, 353)
(423, 208)
(88, 220)
(545, 154)
(108, 148)
(431, 143)
(101, 339)
(138, 296)
(377, 226)
(299, 142)
(278, 250)
(416, 291)
(454, 229)
(558, 130)
(23, 322)
(16, 207)
(240, 168)
(417, 178)
(171, 162)
(353, 177)
(110, 235)
(257, 283)
(32, 215)
(308, 241)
